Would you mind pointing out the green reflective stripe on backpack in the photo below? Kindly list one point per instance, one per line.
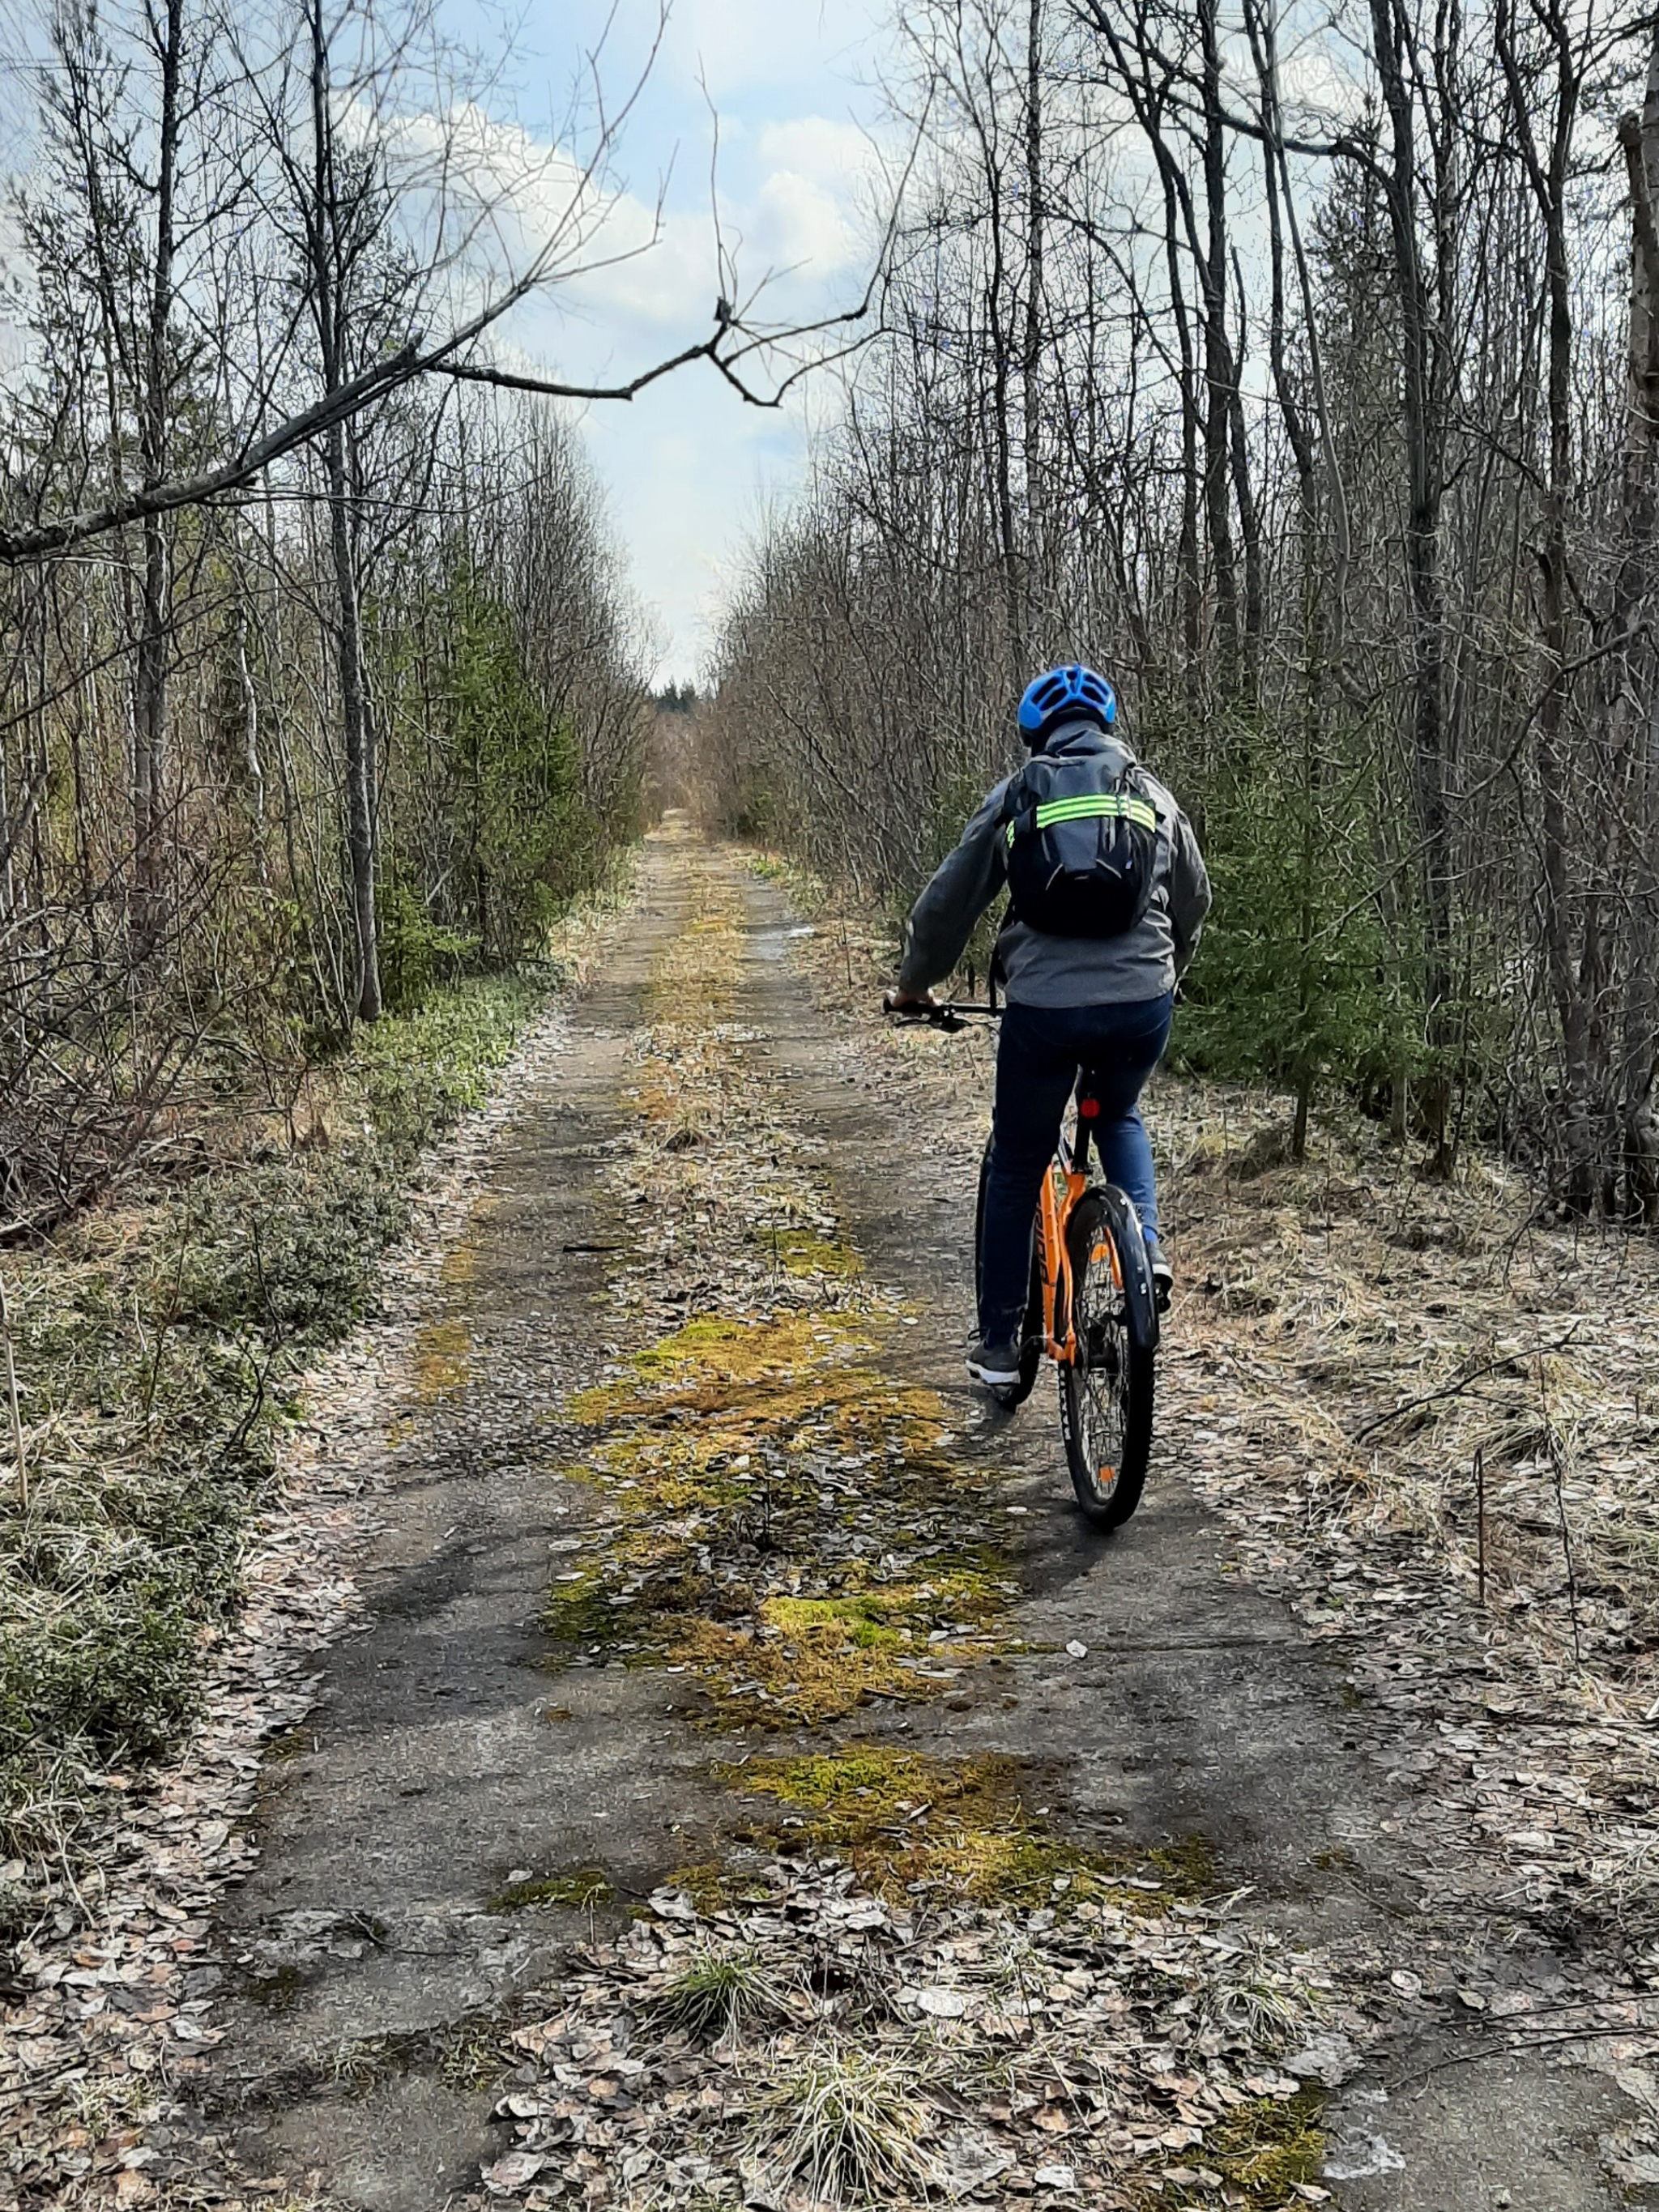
(1112, 802)
(1114, 805)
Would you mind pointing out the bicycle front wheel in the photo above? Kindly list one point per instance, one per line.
(1106, 1392)
(1031, 1348)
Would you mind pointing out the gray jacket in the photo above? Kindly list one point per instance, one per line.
(1063, 971)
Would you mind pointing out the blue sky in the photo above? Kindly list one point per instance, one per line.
(688, 466)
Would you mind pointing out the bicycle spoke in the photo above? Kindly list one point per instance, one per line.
(1103, 1348)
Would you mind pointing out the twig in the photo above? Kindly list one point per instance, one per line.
(1502, 2050)
(1554, 1444)
(11, 1402)
(1481, 1524)
(1567, 1551)
(1452, 1389)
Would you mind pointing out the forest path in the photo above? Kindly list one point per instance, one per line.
(789, 1540)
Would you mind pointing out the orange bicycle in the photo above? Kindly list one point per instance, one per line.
(1092, 1309)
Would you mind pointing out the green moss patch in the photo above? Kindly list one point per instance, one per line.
(576, 1889)
(906, 1820)
(799, 1252)
(443, 1357)
(786, 1523)
(1264, 2150)
(1188, 1867)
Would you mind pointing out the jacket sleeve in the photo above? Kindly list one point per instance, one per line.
(1188, 890)
(964, 886)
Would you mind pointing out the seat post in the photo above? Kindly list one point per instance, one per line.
(1087, 1119)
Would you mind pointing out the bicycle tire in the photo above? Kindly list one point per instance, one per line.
(1109, 1440)
(1031, 1348)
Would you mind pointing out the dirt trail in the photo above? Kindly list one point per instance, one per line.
(501, 1761)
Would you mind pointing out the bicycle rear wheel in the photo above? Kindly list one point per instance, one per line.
(1106, 1392)
(1030, 1343)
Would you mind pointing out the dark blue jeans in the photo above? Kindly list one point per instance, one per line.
(1040, 1053)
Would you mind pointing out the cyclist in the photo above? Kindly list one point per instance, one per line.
(1108, 897)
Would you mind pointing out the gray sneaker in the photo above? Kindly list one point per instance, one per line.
(1163, 1275)
(995, 1365)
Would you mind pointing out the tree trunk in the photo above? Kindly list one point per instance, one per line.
(1217, 354)
(359, 737)
(1250, 520)
(1035, 578)
(1187, 558)
(1424, 438)
(1548, 177)
(325, 219)
(1640, 1042)
(150, 677)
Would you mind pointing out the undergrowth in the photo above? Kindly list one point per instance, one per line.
(158, 1342)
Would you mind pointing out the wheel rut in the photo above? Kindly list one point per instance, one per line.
(702, 1587)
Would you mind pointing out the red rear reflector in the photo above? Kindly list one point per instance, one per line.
(1089, 1108)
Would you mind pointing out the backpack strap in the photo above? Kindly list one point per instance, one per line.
(1018, 814)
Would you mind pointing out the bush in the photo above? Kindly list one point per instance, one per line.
(1295, 981)
(415, 952)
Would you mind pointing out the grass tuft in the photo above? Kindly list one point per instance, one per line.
(851, 2126)
(723, 1991)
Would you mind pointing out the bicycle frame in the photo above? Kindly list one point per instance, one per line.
(1064, 1184)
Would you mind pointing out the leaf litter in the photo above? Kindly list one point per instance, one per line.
(934, 2046)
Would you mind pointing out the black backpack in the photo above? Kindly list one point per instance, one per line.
(1082, 841)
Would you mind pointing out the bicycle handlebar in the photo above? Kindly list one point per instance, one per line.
(947, 1014)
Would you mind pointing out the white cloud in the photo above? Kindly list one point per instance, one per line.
(796, 224)
(688, 464)
(832, 153)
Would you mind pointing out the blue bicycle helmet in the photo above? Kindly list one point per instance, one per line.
(1073, 693)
